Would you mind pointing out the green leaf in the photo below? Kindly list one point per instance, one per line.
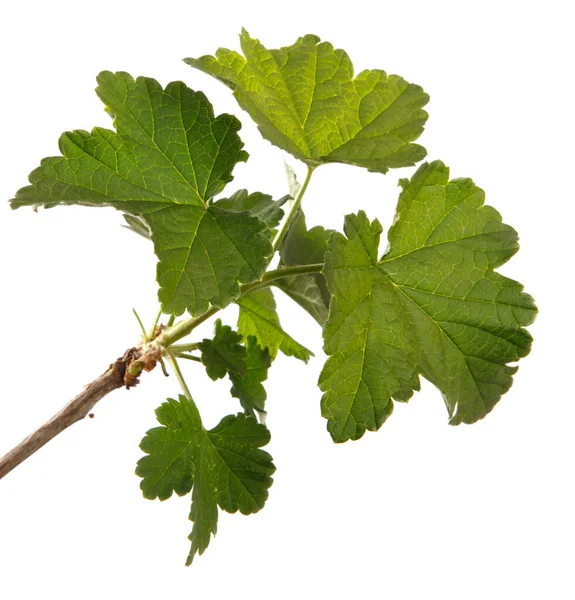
(225, 465)
(224, 354)
(305, 247)
(261, 205)
(433, 305)
(247, 386)
(169, 157)
(306, 101)
(205, 255)
(258, 317)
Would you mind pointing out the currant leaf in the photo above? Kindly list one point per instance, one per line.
(225, 466)
(168, 158)
(305, 100)
(433, 305)
(224, 353)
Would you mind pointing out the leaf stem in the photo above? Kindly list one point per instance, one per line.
(293, 211)
(187, 356)
(185, 347)
(271, 276)
(183, 328)
(179, 375)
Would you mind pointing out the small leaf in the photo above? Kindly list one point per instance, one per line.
(306, 247)
(261, 205)
(224, 354)
(432, 305)
(225, 465)
(169, 157)
(258, 317)
(247, 386)
(306, 101)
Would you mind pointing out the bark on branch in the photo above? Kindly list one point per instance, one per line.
(115, 377)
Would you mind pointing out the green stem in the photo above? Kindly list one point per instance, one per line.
(185, 347)
(144, 334)
(183, 328)
(179, 375)
(271, 276)
(180, 330)
(187, 356)
(293, 211)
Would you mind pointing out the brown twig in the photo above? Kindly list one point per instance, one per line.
(75, 410)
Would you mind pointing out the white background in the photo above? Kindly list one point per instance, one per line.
(419, 509)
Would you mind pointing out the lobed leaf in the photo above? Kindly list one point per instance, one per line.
(225, 465)
(166, 161)
(224, 353)
(305, 100)
(433, 305)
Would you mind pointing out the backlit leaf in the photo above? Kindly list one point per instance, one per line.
(433, 305)
(306, 100)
